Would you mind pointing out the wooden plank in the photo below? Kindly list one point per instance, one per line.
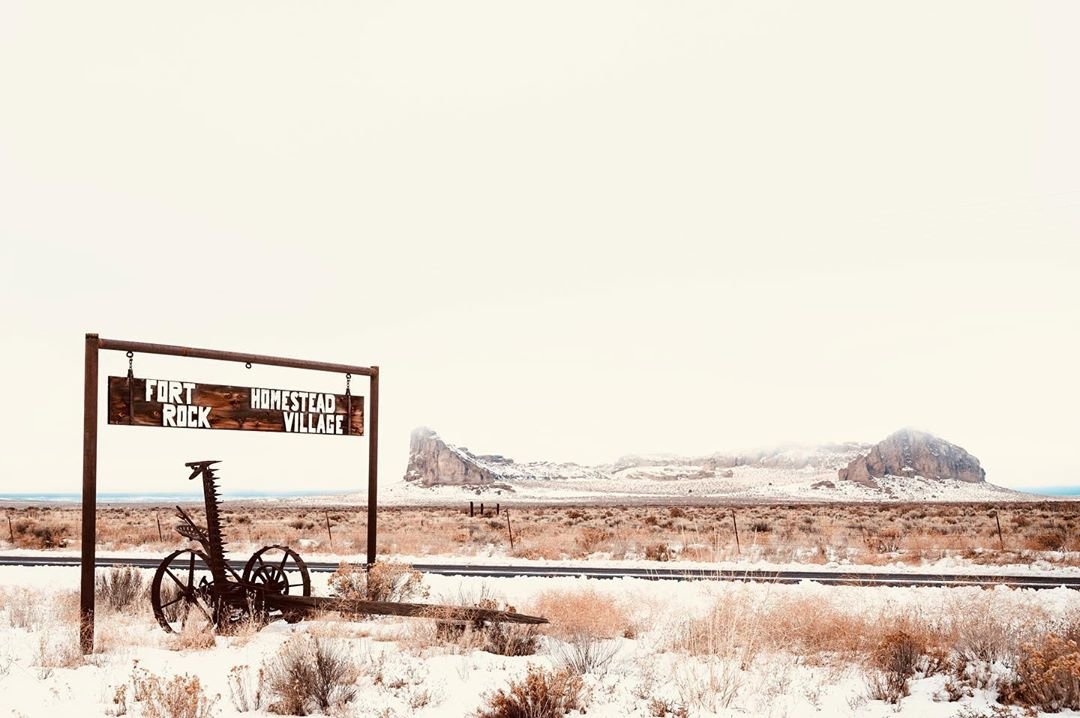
(176, 404)
(393, 608)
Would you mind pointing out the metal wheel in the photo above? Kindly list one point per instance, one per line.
(280, 571)
(182, 591)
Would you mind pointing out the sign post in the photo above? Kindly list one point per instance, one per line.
(188, 405)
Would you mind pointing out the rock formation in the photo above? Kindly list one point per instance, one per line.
(914, 453)
(434, 462)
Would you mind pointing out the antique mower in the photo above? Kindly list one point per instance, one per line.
(275, 582)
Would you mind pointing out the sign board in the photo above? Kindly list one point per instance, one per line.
(187, 405)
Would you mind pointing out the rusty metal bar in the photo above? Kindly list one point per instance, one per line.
(373, 466)
(89, 495)
(191, 352)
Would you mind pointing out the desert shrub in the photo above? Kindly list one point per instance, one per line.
(814, 626)
(659, 552)
(29, 533)
(384, 581)
(582, 613)
(245, 691)
(583, 654)
(982, 631)
(899, 651)
(1046, 541)
(309, 675)
(761, 527)
(711, 686)
(197, 634)
(590, 539)
(1047, 675)
(893, 662)
(661, 708)
(541, 694)
(504, 639)
(120, 587)
(179, 697)
(729, 631)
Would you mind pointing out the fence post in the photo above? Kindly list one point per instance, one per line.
(471, 511)
(509, 530)
(737, 546)
(1001, 541)
(160, 537)
(11, 531)
(327, 515)
(482, 509)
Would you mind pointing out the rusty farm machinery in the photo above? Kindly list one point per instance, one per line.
(275, 582)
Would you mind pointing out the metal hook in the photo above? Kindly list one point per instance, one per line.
(247, 365)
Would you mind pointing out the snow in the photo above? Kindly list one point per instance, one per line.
(747, 483)
(399, 678)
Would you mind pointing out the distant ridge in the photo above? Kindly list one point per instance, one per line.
(907, 465)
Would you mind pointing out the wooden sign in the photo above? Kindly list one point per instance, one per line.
(186, 405)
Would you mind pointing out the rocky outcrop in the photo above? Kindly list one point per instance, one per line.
(914, 453)
(434, 462)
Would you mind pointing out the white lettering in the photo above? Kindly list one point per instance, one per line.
(189, 387)
(255, 398)
(163, 392)
(150, 389)
(204, 417)
(337, 423)
(168, 415)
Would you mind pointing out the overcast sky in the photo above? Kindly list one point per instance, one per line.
(564, 230)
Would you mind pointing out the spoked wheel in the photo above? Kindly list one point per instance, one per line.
(181, 591)
(281, 572)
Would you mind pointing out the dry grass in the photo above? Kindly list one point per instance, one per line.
(120, 588)
(542, 694)
(385, 581)
(1047, 674)
(179, 697)
(582, 613)
(504, 639)
(309, 675)
(246, 691)
(867, 533)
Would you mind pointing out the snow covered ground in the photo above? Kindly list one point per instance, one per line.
(747, 483)
(402, 672)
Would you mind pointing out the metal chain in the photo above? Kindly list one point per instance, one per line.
(131, 363)
(348, 383)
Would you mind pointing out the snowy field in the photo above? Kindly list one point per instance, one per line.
(746, 484)
(657, 649)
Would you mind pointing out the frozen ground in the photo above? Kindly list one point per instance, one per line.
(404, 674)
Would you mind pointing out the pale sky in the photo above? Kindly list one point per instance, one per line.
(564, 230)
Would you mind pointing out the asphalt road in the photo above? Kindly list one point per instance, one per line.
(658, 573)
